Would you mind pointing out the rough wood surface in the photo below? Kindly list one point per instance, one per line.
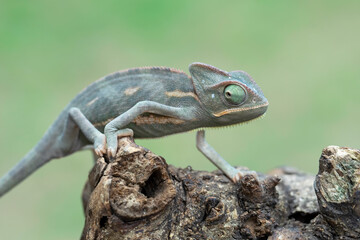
(138, 196)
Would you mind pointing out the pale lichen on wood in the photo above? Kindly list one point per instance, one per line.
(338, 189)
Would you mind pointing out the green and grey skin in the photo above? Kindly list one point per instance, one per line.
(147, 103)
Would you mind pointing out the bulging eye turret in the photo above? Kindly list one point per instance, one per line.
(234, 94)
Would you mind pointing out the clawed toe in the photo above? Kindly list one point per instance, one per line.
(99, 145)
(237, 177)
(111, 152)
(107, 144)
(241, 173)
(100, 150)
(98, 153)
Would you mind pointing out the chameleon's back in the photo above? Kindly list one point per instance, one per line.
(116, 93)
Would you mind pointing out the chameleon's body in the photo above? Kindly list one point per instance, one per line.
(152, 102)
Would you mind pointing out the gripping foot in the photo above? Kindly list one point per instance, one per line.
(232, 173)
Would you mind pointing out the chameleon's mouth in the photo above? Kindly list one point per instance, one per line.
(227, 111)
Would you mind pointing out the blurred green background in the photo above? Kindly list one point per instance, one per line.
(305, 55)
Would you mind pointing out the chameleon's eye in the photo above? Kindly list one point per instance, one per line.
(234, 94)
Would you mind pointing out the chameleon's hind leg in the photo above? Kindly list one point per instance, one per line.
(76, 121)
(232, 173)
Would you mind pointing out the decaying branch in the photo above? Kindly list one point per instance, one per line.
(138, 196)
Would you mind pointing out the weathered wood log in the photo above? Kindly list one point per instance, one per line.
(138, 196)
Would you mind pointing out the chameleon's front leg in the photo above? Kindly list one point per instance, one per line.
(232, 173)
(115, 128)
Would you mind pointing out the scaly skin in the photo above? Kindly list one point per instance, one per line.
(146, 103)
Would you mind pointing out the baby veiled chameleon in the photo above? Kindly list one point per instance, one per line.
(147, 103)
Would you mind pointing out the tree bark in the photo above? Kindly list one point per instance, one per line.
(137, 195)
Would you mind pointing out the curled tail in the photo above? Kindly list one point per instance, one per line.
(31, 162)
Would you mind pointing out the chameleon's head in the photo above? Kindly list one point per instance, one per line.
(231, 97)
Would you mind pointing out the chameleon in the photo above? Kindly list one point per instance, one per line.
(147, 102)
